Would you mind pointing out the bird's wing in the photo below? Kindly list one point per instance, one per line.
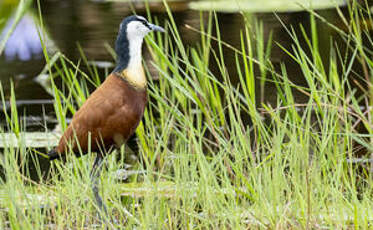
(88, 120)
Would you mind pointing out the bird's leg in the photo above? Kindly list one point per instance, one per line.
(95, 177)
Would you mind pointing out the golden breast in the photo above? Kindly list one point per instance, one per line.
(135, 76)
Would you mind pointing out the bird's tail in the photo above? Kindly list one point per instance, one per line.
(53, 154)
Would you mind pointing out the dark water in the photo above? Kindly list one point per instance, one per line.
(94, 24)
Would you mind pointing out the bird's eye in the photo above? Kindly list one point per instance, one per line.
(146, 24)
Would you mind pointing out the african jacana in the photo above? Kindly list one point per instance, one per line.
(113, 111)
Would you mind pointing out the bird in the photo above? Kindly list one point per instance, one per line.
(111, 114)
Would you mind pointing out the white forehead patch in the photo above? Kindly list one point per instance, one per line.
(141, 18)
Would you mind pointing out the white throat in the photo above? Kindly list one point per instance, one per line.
(135, 52)
(134, 71)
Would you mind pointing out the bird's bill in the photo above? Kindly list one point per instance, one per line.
(156, 28)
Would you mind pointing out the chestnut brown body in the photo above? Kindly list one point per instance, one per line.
(109, 116)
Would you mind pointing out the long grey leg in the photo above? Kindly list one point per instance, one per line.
(95, 177)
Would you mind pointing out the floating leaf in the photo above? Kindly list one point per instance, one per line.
(265, 6)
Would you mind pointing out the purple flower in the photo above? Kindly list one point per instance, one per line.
(24, 43)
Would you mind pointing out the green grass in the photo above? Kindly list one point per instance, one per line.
(205, 167)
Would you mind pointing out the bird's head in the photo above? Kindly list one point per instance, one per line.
(132, 31)
(135, 27)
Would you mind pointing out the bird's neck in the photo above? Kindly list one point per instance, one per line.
(130, 63)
